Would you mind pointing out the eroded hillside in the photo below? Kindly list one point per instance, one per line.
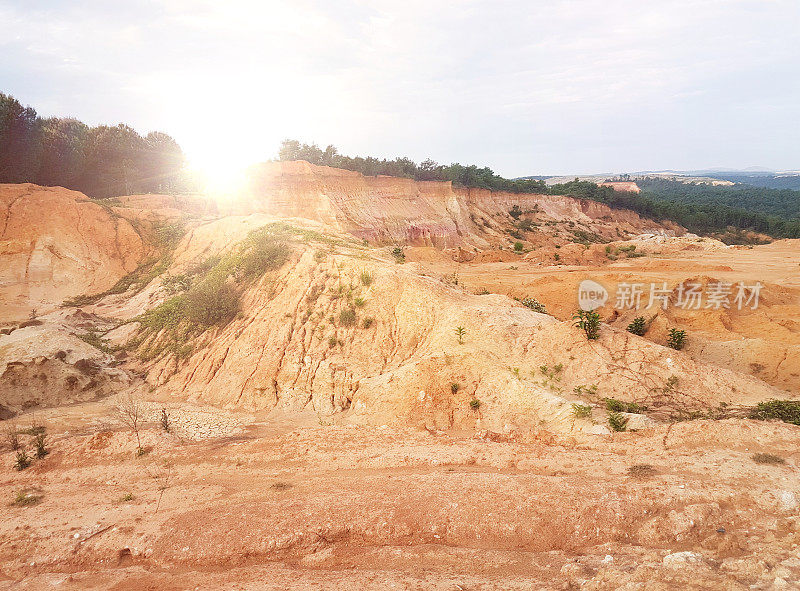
(390, 372)
(344, 329)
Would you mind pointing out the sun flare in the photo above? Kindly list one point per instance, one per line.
(220, 177)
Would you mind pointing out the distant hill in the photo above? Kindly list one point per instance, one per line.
(782, 180)
(754, 176)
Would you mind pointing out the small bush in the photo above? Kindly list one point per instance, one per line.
(164, 421)
(33, 430)
(95, 340)
(474, 404)
(638, 326)
(366, 278)
(676, 339)
(764, 458)
(25, 498)
(176, 283)
(212, 302)
(515, 212)
(534, 305)
(617, 422)
(347, 317)
(584, 390)
(460, 332)
(261, 253)
(126, 498)
(332, 341)
(518, 246)
(41, 446)
(526, 225)
(614, 405)
(359, 302)
(398, 254)
(168, 235)
(455, 387)
(23, 461)
(589, 322)
(581, 411)
(642, 471)
(787, 411)
(367, 322)
(13, 438)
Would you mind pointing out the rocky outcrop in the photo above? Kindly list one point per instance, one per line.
(56, 243)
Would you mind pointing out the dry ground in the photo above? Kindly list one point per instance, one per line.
(298, 505)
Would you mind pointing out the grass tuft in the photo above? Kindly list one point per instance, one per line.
(581, 411)
(26, 498)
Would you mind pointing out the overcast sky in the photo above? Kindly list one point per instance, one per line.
(533, 87)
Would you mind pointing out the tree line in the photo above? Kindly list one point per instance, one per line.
(103, 161)
(706, 209)
(779, 202)
(427, 170)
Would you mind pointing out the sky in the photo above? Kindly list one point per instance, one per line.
(525, 87)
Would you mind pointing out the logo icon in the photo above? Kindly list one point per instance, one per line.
(591, 295)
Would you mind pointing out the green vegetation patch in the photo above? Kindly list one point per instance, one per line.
(787, 411)
(214, 296)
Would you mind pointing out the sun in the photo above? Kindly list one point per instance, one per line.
(219, 175)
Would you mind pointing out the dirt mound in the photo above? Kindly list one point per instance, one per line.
(47, 363)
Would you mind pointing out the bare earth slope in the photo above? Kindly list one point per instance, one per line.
(278, 354)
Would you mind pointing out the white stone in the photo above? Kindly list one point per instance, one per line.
(598, 430)
(682, 560)
(788, 501)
